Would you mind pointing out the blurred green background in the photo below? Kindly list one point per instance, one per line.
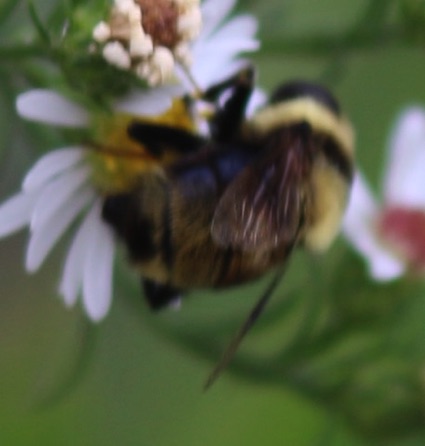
(132, 379)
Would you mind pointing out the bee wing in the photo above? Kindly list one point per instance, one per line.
(264, 206)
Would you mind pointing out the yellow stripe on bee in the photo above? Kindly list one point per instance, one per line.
(306, 109)
(328, 205)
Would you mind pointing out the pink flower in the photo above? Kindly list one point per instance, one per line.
(391, 234)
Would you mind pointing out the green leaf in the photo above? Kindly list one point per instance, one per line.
(6, 9)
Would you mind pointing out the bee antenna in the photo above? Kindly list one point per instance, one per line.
(253, 315)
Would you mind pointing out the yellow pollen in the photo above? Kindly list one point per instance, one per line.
(118, 161)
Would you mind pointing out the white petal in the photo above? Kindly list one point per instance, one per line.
(45, 237)
(219, 53)
(15, 213)
(385, 266)
(55, 195)
(98, 268)
(359, 228)
(51, 165)
(257, 100)
(213, 13)
(50, 107)
(405, 179)
(214, 57)
(209, 72)
(150, 102)
(239, 34)
(225, 45)
(72, 276)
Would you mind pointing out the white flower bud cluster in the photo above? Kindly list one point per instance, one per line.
(127, 45)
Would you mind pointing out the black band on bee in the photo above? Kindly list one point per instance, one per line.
(337, 158)
(122, 213)
(304, 129)
(166, 243)
(300, 89)
(158, 138)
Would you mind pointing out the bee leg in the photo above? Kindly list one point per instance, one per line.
(159, 295)
(244, 76)
(253, 315)
(226, 122)
(158, 138)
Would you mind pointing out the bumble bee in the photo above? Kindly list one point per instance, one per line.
(235, 204)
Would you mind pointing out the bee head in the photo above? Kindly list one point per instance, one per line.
(300, 90)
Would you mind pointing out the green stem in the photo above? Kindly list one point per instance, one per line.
(85, 347)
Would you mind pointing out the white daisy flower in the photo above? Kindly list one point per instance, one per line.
(133, 39)
(66, 186)
(214, 50)
(391, 235)
(54, 193)
(214, 56)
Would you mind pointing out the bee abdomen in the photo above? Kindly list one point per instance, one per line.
(122, 214)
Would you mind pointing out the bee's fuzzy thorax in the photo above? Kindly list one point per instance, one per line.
(307, 109)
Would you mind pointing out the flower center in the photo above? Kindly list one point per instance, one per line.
(159, 20)
(404, 229)
(118, 161)
(149, 37)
